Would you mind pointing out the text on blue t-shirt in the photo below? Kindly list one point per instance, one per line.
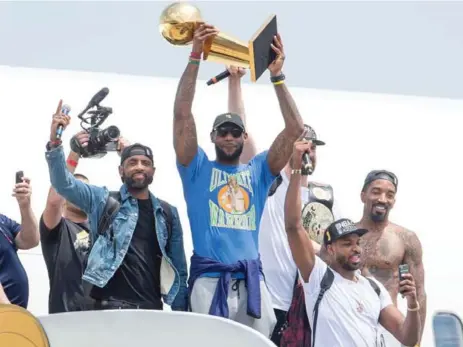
(225, 205)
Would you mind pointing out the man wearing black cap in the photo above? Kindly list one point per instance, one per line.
(137, 257)
(352, 305)
(388, 245)
(280, 270)
(225, 199)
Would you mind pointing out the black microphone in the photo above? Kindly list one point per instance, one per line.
(307, 165)
(95, 101)
(98, 97)
(218, 78)
(65, 109)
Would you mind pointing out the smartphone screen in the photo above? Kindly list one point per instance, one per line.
(19, 176)
(448, 330)
(403, 269)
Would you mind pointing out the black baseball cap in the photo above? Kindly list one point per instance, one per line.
(228, 117)
(136, 149)
(380, 175)
(341, 228)
(312, 136)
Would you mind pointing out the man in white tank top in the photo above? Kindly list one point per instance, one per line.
(277, 262)
(353, 306)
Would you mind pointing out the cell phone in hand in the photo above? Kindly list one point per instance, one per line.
(403, 269)
(19, 177)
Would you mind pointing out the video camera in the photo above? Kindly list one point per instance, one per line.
(101, 141)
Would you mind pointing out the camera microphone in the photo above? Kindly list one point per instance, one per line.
(98, 97)
(65, 109)
(95, 101)
(307, 165)
(218, 78)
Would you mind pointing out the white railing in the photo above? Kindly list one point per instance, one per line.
(140, 328)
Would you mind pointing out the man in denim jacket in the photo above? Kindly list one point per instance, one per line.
(138, 262)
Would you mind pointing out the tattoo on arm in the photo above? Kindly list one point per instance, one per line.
(414, 259)
(185, 138)
(281, 149)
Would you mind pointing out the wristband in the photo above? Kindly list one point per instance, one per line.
(417, 308)
(53, 144)
(276, 79)
(296, 171)
(193, 61)
(195, 55)
(71, 162)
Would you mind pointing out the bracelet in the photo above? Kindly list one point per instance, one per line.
(194, 61)
(71, 162)
(417, 308)
(278, 78)
(195, 55)
(278, 83)
(296, 171)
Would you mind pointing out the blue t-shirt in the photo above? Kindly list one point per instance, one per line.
(225, 205)
(13, 277)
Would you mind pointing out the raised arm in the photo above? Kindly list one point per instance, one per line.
(301, 246)
(55, 202)
(73, 190)
(414, 259)
(185, 138)
(28, 236)
(236, 105)
(281, 149)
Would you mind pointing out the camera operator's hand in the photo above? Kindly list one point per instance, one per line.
(81, 139)
(58, 119)
(300, 147)
(121, 144)
(408, 290)
(22, 192)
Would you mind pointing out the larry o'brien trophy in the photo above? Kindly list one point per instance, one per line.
(317, 215)
(179, 21)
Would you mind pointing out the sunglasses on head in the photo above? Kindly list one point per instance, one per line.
(224, 131)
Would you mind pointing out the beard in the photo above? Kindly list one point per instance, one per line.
(137, 184)
(346, 265)
(379, 216)
(224, 157)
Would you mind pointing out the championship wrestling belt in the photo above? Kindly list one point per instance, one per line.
(317, 214)
(19, 328)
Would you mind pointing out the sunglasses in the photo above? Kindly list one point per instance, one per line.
(235, 132)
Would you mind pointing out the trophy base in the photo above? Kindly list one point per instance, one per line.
(261, 53)
(256, 56)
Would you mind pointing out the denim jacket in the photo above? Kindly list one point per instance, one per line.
(106, 255)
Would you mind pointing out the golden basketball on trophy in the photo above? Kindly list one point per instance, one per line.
(179, 21)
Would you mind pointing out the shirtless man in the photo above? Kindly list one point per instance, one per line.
(388, 245)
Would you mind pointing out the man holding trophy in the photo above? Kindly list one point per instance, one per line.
(226, 274)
